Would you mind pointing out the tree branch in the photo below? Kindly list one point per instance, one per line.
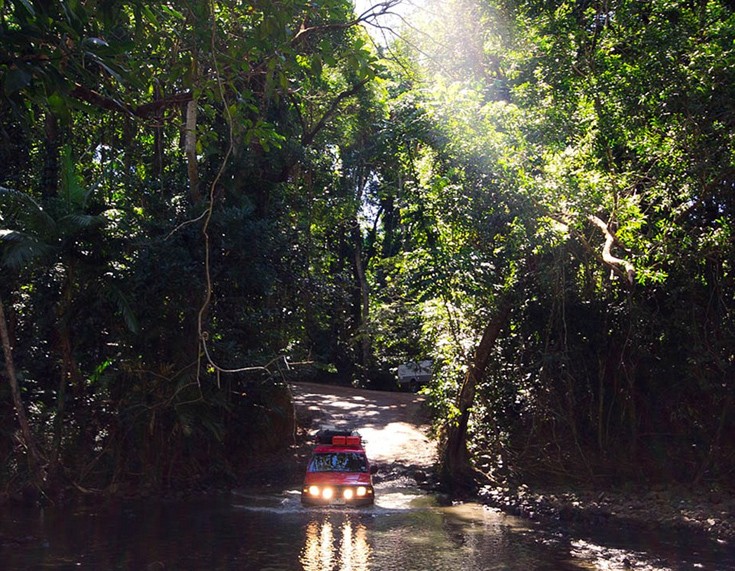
(98, 100)
(621, 266)
(366, 17)
(144, 111)
(308, 137)
(148, 109)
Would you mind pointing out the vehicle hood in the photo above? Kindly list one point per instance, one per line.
(338, 478)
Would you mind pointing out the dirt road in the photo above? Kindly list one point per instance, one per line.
(394, 425)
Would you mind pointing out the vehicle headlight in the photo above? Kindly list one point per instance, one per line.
(348, 494)
(313, 490)
(361, 491)
(327, 493)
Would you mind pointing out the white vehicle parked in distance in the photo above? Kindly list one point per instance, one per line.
(414, 374)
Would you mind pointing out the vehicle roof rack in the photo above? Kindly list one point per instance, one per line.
(326, 433)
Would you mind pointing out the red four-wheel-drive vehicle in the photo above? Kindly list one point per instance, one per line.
(338, 472)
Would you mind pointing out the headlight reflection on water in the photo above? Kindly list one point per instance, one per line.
(330, 549)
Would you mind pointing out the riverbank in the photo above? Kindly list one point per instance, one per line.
(708, 513)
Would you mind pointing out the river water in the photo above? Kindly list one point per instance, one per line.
(270, 530)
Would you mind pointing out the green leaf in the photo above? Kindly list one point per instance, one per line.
(58, 106)
(84, 220)
(28, 6)
(98, 60)
(71, 187)
(15, 80)
(148, 13)
(121, 301)
(171, 12)
(95, 43)
(9, 235)
(316, 65)
(21, 248)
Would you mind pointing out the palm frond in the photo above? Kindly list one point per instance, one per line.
(121, 301)
(30, 207)
(80, 221)
(20, 249)
(11, 235)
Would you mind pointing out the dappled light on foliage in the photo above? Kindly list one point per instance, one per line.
(536, 196)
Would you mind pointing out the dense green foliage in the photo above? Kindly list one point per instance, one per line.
(585, 125)
(172, 209)
(193, 189)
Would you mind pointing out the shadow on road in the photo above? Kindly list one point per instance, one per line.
(394, 425)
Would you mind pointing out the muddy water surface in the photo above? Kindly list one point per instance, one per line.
(270, 530)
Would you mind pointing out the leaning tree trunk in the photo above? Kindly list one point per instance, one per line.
(456, 469)
(35, 460)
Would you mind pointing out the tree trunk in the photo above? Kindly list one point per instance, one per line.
(50, 181)
(158, 142)
(69, 375)
(456, 469)
(190, 146)
(365, 339)
(35, 458)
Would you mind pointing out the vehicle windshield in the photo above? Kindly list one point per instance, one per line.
(338, 462)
